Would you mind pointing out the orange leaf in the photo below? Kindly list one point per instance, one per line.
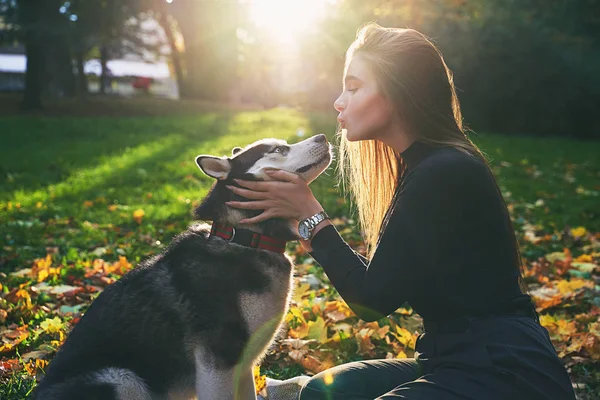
(300, 332)
(543, 303)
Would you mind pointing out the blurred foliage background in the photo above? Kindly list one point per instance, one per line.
(521, 66)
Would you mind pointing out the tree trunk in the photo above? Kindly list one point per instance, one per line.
(59, 65)
(104, 72)
(66, 73)
(211, 61)
(32, 14)
(82, 86)
(32, 98)
(165, 21)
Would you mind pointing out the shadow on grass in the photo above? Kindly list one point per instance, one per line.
(45, 151)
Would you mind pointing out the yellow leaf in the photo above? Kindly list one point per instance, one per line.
(53, 325)
(317, 330)
(42, 274)
(547, 321)
(566, 328)
(6, 347)
(402, 354)
(594, 328)
(300, 332)
(41, 364)
(300, 292)
(23, 294)
(556, 256)
(578, 232)
(138, 215)
(29, 368)
(119, 267)
(88, 203)
(584, 258)
(295, 314)
(403, 336)
(112, 207)
(260, 381)
(567, 287)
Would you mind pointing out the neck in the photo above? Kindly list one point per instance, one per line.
(397, 139)
(213, 208)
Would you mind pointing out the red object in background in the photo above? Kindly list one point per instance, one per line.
(142, 83)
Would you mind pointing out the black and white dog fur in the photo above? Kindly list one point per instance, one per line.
(192, 321)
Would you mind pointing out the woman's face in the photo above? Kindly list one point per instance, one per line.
(364, 112)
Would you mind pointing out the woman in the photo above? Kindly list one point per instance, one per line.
(438, 232)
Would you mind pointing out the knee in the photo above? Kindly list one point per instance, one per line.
(319, 387)
(312, 389)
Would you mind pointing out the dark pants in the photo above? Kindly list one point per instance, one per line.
(500, 357)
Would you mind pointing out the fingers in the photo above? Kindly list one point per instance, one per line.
(248, 205)
(249, 194)
(257, 186)
(255, 220)
(281, 175)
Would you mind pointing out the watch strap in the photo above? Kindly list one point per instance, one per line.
(317, 219)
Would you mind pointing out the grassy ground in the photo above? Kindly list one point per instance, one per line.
(100, 194)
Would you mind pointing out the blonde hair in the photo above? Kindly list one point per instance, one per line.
(412, 74)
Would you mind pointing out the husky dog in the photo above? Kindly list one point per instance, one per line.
(193, 320)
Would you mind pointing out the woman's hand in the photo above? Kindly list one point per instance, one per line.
(288, 196)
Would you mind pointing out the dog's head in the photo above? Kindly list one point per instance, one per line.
(308, 159)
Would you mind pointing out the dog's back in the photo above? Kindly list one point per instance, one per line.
(142, 337)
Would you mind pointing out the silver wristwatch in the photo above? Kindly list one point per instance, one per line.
(306, 226)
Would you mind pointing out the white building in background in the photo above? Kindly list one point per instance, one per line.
(12, 72)
(122, 74)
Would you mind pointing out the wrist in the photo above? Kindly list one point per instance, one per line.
(307, 244)
(311, 209)
(307, 226)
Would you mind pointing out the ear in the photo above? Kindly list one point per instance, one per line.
(236, 150)
(216, 167)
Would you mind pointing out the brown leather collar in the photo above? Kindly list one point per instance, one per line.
(246, 237)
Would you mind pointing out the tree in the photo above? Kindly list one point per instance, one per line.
(209, 36)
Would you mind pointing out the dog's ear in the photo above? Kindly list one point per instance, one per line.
(216, 167)
(236, 150)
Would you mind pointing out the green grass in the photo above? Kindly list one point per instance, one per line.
(70, 185)
(52, 166)
(68, 171)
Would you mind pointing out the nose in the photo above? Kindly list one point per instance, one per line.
(338, 104)
(320, 138)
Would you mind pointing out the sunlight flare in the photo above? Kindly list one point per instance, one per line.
(287, 20)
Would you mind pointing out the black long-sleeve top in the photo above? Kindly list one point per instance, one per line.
(448, 248)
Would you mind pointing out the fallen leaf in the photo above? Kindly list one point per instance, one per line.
(138, 215)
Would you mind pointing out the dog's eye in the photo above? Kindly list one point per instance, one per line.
(277, 150)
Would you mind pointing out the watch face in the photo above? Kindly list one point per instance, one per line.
(303, 230)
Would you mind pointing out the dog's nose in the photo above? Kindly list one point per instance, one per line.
(320, 138)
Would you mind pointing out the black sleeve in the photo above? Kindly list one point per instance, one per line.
(427, 212)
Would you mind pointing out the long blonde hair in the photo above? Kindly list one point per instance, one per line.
(411, 73)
